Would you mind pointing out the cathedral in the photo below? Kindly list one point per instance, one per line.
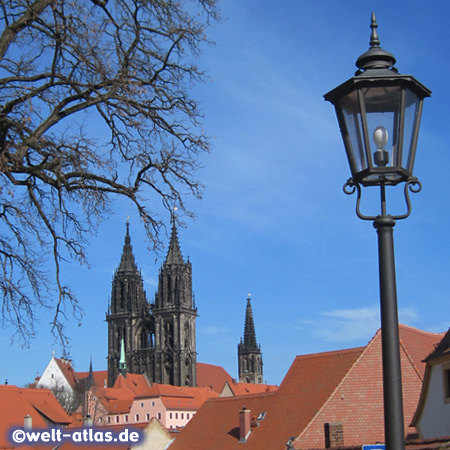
(158, 339)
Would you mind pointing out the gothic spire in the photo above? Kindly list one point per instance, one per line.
(127, 262)
(122, 360)
(174, 255)
(249, 330)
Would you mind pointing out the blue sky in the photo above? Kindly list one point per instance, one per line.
(274, 221)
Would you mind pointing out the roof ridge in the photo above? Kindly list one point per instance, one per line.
(403, 325)
(403, 346)
(363, 351)
(243, 397)
(330, 352)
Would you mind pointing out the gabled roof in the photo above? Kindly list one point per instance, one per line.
(100, 377)
(212, 376)
(441, 350)
(418, 343)
(216, 424)
(248, 388)
(136, 382)
(179, 397)
(40, 404)
(115, 400)
(340, 386)
(68, 371)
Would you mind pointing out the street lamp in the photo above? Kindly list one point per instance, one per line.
(379, 113)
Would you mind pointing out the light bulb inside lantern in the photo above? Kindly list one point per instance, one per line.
(380, 137)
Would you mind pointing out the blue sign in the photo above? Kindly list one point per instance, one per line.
(374, 447)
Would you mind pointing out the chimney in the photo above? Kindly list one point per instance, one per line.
(87, 421)
(244, 424)
(334, 435)
(27, 422)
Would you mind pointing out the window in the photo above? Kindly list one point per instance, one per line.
(147, 417)
(126, 418)
(117, 419)
(170, 415)
(176, 415)
(142, 404)
(182, 416)
(53, 375)
(153, 403)
(446, 381)
(109, 419)
(188, 416)
(159, 416)
(137, 417)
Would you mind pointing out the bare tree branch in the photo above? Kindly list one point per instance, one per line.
(130, 65)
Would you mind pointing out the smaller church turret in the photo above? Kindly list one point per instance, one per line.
(249, 352)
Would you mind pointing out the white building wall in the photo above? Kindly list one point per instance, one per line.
(435, 418)
(53, 378)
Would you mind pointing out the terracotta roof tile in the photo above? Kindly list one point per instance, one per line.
(212, 376)
(442, 349)
(250, 388)
(100, 377)
(16, 403)
(176, 397)
(418, 344)
(68, 371)
(136, 382)
(215, 426)
(342, 386)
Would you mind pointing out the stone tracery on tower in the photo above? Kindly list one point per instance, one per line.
(158, 338)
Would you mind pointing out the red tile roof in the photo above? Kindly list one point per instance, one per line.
(68, 371)
(116, 400)
(216, 424)
(136, 382)
(341, 386)
(179, 398)
(249, 388)
(16, 403)
(100, 377)
(212, 376)
(418, 344)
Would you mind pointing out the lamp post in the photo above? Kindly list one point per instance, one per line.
(379, 113)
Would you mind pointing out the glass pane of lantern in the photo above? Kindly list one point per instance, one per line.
(352, 116)
(411, 117)
(383, 106)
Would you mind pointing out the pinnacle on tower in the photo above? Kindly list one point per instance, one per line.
(122, 361)
(249, 329)
(174, 255)
(127, 262)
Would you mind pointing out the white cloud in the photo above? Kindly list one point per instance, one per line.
(357, 325)
(213, 330)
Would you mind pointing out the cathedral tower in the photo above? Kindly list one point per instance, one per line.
(249, 352)
(175, 313)
(158, 339)
(130, 324)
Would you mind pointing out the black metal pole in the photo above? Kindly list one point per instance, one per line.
(392, 379)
